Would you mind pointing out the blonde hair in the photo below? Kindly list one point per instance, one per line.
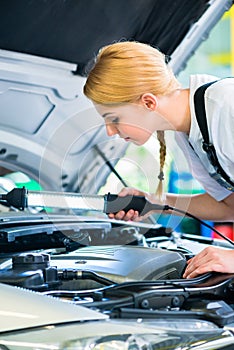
(123, 72)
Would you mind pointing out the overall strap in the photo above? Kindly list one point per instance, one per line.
(200, 112)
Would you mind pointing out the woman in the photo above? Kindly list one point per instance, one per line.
(137, 94)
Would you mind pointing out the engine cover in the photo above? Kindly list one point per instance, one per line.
(124, 263)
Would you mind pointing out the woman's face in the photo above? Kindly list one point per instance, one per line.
(132, 122)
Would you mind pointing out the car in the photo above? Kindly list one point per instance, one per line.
(70, 277)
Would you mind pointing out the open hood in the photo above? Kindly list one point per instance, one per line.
(48, 129)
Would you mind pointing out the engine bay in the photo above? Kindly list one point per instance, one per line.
(124, 270)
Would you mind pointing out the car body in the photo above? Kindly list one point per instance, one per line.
(74, 279)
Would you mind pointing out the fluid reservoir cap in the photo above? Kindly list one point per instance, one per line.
(31, 261)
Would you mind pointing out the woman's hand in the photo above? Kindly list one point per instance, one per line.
(132, 215)
(210, 259)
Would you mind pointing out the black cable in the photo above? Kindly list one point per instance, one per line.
(167, 207)
(114, 203)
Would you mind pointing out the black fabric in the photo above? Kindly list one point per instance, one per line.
(200, 112)
(74, 30)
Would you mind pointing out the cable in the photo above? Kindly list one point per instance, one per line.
(167, 207)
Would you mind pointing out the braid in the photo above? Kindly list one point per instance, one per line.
(161, 139)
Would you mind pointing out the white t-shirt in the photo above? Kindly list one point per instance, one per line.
(219, 104)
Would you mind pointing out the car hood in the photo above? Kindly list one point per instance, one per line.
(48, 129)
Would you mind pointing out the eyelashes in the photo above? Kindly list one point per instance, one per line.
(115, 120)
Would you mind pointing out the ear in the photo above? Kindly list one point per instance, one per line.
(150, 101)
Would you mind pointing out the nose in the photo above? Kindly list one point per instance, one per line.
(111, 130)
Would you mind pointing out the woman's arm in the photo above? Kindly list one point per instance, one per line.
(202, 205)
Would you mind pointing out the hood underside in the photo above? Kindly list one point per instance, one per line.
(74, 30)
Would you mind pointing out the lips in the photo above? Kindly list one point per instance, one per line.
(127, 139)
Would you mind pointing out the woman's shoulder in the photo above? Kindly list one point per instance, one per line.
(222, 91)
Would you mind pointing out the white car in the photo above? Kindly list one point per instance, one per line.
(71, 278)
